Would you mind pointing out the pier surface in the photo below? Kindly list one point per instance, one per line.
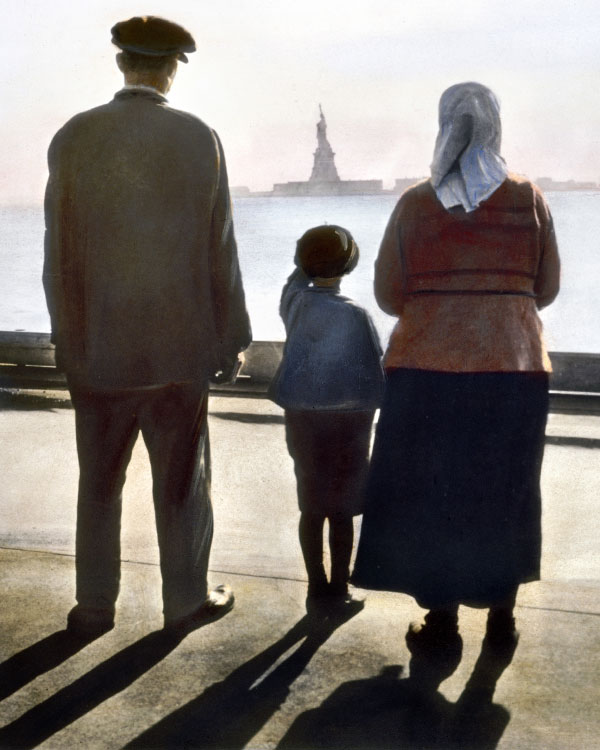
(260, 678)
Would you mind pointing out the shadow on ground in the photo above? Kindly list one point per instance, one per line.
(19, 401)
(87, 692)
(577, 442)
(229, 713)
(390, 712)
(234, 416)
(37, 659)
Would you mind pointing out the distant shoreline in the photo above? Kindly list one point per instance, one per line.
(345, 188)
(242, 192)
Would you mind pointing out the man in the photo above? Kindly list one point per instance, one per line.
(146, 301)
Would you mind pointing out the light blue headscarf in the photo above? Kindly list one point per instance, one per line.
(467, 167)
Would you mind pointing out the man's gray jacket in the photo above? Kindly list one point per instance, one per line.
(141, 270)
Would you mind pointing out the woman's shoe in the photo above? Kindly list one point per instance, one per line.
(501, 634)
(439, 631)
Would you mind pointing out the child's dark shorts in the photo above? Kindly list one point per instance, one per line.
(331, 458)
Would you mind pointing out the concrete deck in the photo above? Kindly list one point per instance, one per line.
(262, 677)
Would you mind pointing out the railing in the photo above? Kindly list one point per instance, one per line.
(27, 362)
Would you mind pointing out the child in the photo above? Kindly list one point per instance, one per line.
(330, 382)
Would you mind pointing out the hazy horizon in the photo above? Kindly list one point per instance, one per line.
(262, 68)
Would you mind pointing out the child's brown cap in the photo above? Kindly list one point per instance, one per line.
(326, 251)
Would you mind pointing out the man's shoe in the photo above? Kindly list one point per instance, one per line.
(90, 622)
(216, 605)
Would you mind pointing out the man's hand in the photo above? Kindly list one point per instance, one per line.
(229, 371)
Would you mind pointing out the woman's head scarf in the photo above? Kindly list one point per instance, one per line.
(467, 167)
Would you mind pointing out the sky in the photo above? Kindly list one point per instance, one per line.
(262, 67)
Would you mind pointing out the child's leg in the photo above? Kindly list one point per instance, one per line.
(341, 537)
(311, 542)
(349, 441)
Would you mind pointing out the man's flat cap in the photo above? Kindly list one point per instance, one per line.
(153, 36)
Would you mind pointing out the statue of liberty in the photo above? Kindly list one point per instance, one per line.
(324, 169)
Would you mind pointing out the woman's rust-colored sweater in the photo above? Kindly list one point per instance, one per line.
(466, 287)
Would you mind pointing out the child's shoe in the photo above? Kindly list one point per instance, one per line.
(343, 602)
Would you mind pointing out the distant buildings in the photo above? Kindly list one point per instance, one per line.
(341, 187)
(547, 183)
(402, 183)
(239, 191)
(325, 180)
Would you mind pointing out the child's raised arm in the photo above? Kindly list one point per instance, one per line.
(296, 282)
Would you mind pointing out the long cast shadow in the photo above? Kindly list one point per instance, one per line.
(234, 416)
(37, 659)
(18, 401)
(83, 695)
(388, 712)
(229, 713)
(477, 722)
(577, 442)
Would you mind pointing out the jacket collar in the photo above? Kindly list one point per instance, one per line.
(325, 289)
(141, 92)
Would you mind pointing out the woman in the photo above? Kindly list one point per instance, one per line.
(454, 507)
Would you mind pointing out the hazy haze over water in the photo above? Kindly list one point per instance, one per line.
(262, 67)
(267, 229)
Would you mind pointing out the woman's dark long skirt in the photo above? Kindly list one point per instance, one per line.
(453, 509)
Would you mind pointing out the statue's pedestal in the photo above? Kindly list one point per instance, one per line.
(324, 169)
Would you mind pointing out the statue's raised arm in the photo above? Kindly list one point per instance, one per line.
(322, 130)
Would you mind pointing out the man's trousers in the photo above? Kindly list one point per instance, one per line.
(173, 423)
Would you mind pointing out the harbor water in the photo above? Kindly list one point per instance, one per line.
(267, 229)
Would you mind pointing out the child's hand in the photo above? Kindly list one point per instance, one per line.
(297, 275)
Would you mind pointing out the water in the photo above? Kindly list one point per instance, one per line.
(267, 229)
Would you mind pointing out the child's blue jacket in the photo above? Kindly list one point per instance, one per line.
(332, 356)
